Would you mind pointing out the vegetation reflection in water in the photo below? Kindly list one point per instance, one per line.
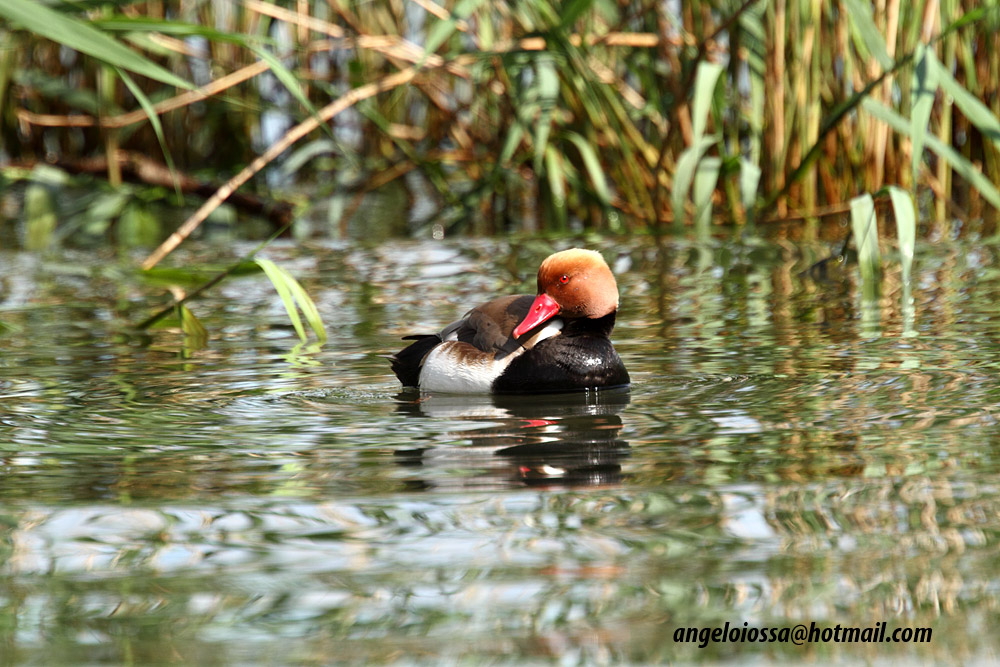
(779, 459)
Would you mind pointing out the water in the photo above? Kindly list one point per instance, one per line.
(784, 456)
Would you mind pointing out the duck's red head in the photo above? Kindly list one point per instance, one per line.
(573, 283)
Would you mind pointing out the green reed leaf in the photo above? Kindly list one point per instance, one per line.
(860, 14)
(196, 336)
(557, 182)
(294, 297)
(145, 24)
(154, 121)
(924, 87)
(906, 227)
(573, 10)
(515, 134)
(701, 101)
(593, 166)
(972, 107)
(705, 179)
(546, 91)
(958, 162)
(865, 228)
(84, 37)
(288, 79)
(754, 38)
(308, 308)
(687, 164)
(444, 29)
(749, 180)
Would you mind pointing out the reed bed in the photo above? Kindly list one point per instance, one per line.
(520, 115)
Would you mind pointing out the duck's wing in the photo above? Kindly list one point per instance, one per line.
(490, 327)
(484, 335)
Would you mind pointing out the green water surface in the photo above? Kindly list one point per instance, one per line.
(784, 456)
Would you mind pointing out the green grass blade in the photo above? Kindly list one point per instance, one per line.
(280, 279)
(906, 227)
(308, 308)
(749, 180)
(865, 228)
(515, 134)
(291, 83)
(557, 183)
(906, 231)
(154, 121)
(573, 10)
(444, 29)
(593, 166)
(285, 284)
(192, 327)
(860, 14)
(144, 24)
(546, 91)
(755, 41)
(705, 179)
(687, 164)
(82, 36)
(701, 100)
(958, 162)
(924, 87)
(972, 107)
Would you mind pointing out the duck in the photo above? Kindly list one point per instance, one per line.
(557, 340)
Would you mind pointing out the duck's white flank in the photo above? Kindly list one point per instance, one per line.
(450, 368)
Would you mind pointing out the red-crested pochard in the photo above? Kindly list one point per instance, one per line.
(555, 341)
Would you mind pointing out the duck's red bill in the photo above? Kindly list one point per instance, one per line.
(543, 308)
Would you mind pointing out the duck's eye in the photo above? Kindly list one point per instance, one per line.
(564, 279)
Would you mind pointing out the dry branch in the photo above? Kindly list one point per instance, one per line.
(139, 115)
(299, 131)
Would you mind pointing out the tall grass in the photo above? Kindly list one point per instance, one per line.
(527, 113)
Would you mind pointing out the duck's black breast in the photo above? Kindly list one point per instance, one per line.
(581, 357)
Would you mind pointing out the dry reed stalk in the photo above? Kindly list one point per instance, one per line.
(645, 40)
(876, 132)
(388, 45)
(944, 123)
(777, 147)
(303, 30)
(300, 19)
(816, 103)
(799, 95)
(810, 100)
(606, 76)
(132, 117)
(805, 214)
(440, 12)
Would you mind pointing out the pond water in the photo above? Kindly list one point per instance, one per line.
(785, 456)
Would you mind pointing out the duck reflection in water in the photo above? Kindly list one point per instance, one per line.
(552, 440)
